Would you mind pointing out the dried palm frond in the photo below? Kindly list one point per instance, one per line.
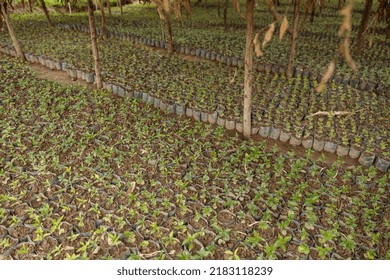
(328, 74)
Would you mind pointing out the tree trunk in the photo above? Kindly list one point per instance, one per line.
(340, 5)
(219, 8)
(121, 6)
(44, 8)
(11, 30)
(95, 52)
(187, 5)
(293, 37)
(23, 5)
(248, 77)
(170, 41)
(225, 14)
(30, 5)
(308, 7)
(388, 31)
(108, 7)
(169, 27)
(313, 11)
(104, 26)
(363, 26)
(1, 23)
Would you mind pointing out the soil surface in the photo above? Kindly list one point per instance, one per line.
(90, 175)
(58, 76)
(63, 78)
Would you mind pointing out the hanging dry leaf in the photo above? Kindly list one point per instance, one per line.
(283, 28)
(167, 6)
(256, 42)
(344, 49)
(160, 7)
(269, 4)
(346, 26)
(161, 13)
(177, 8)
(309, 6)
(269, 34)
(371, 41)
(237, 7)
(158, 3)
(187, 6)
(347, 10)
(256, 38)
(326, 76)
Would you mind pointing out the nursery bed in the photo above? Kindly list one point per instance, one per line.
(87, 175)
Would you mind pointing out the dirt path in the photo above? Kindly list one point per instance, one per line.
(63, 78)
(60, 77)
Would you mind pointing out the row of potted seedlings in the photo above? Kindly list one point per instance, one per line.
(171, 93)
(201, 111)
(204, 31)
(331, 37)
(297, 71)
(160, 213)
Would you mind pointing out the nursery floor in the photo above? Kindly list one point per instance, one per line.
(87, 175)
(64, 79)
(217, 88)
(58, 76)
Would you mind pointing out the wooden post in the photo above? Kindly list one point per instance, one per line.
(95, 52)
(225, 14)
(30, 5)
(363, 27)
(293, 37)
(340, 4)
(108, 7)
(1, 23)
(187, 6)
(170, 40)
(121, 6)
(167, 12)
(44, 8)
(11, 31)
(322, 3)
(248, 77)
(313, 11)
(104, 26)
